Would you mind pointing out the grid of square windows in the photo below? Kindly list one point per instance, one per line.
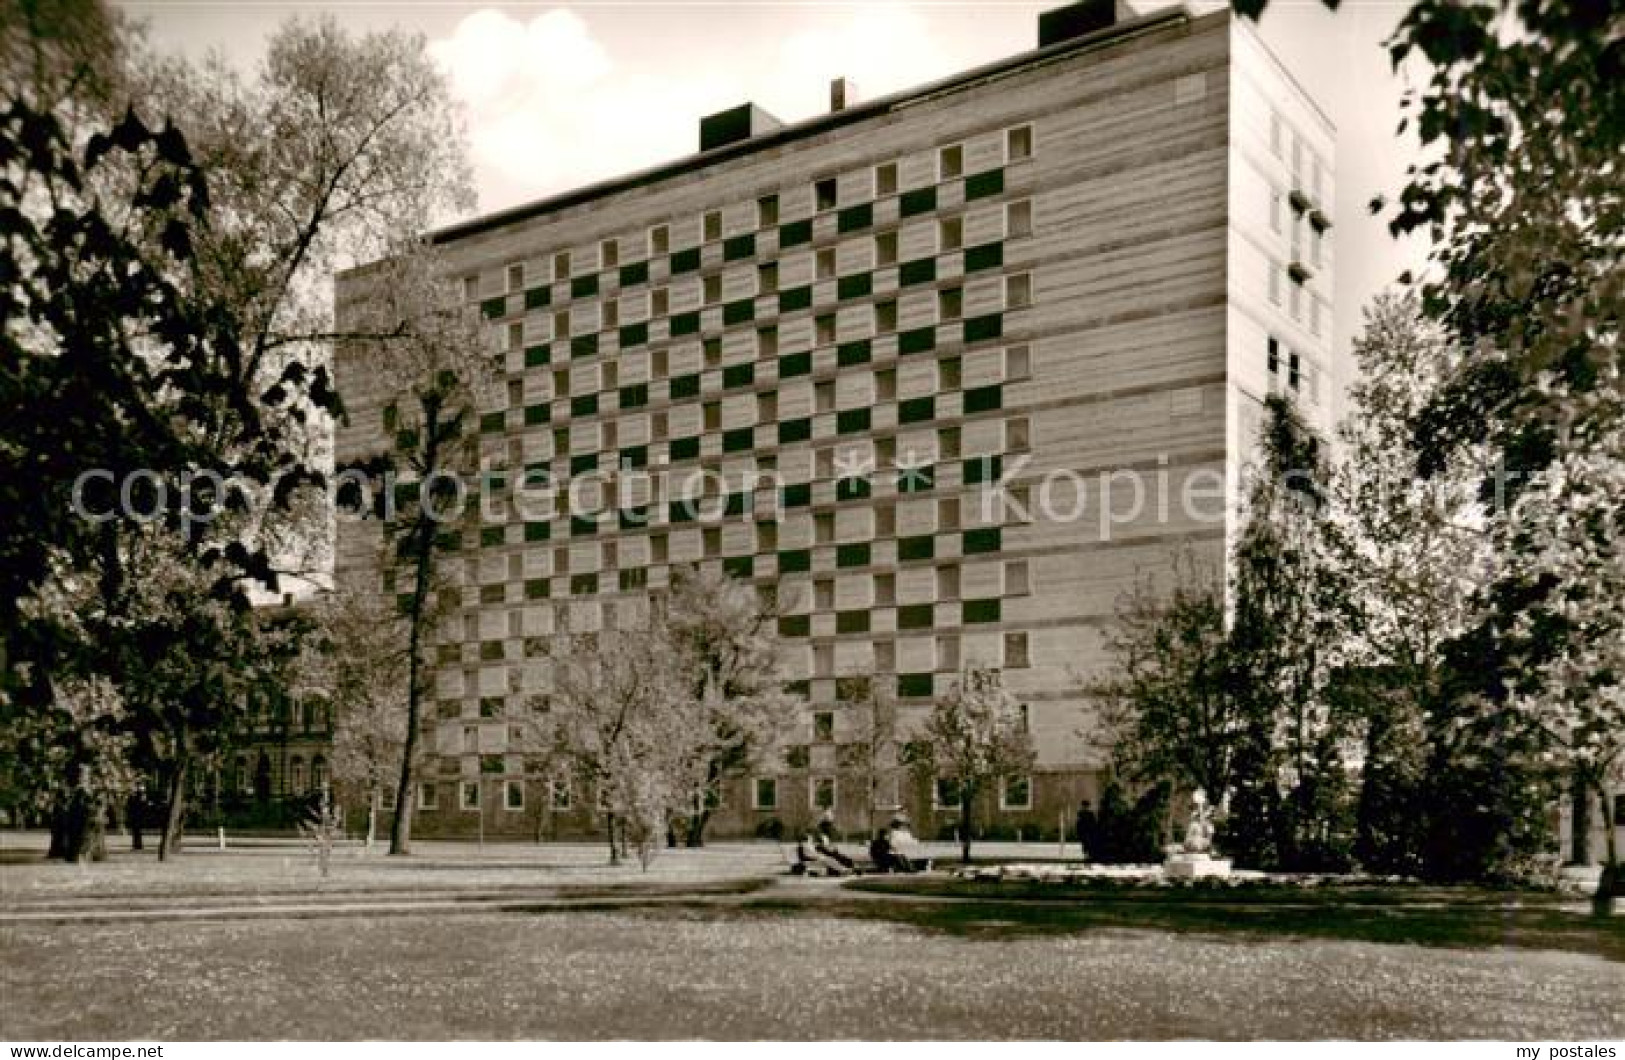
(693, 301)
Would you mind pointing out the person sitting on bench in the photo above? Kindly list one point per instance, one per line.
(824, 843)
(885, 856)
(814, 862)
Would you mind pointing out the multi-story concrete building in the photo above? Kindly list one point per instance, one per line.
(959, 363)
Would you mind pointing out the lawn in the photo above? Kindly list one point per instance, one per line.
(780, 968)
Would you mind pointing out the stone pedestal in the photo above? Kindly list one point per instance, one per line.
(1193, 866)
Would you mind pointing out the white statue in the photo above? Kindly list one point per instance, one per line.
(1199, 833)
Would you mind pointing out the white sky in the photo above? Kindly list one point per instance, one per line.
(562, 94)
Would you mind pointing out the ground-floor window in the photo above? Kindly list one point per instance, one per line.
(1016, 794)
(470, 794)
(561, 794)
(823, 793)
(765, 793)
(426, 797)
(945, 793)
(513, 794)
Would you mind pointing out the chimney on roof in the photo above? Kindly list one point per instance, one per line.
(735, 124)
(843, 93)
(1079, 19)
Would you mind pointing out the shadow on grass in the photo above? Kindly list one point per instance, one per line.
(1445, 918)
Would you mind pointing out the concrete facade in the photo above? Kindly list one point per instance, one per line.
(999, 344)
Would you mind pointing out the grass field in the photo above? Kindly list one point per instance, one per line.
(718, 944)
(709, 974)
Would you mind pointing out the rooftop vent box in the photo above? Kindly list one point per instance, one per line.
(735, 124)
(1076, 20)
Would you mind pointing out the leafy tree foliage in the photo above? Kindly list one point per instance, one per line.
(620, 712)
(976, 735)
(1167, 702)
(726, 646)
(356, 660)
(1524, 212)
(1289, 803)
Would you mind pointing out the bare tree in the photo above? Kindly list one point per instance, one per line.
(875, 747)
(419, 349)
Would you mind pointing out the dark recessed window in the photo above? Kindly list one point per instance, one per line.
(914, 686)
(984, 398)
(824, 193)
(736, 375)
(918, 340)
(852, 621)
(850, 353)
(634, 274)
(795, 234)
(852, 421)
(983, 469)
(921, 270)
(985, 539)
(857, 285)
(739, 247)
(915, 616)
(918, 201)
(921, 547)
(795, 364)
(855, 218)
(584, 286)
(685, 261)
(977, 611)
(794, 299)
(685, 386)
(795, 430)
(986, 256)
(981, 329)
(634, 335)
(795, 561)
(917, 410)
(982, 185)
(854, 555)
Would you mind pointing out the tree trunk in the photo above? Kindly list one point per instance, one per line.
(1580, 820)
(696, 828)
(1608, 883)
(614, 851)
(400, 831)
(372, 817)
(135, 808)
(175, 805)
(58, 849)
(83, 832)
(967, 795)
